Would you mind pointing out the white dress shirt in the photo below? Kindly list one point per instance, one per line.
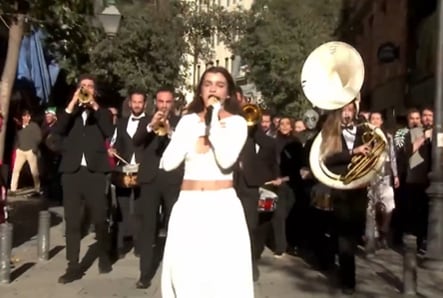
(85, 115)
(349, 135)
(131, 128)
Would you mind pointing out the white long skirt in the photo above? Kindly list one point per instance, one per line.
(207, 252)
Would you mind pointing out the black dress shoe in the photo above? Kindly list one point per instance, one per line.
(70, 276)
(142, 284)
(348, 291)
(104, 266)
(255, 273)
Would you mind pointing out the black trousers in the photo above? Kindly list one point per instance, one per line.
(126, 218)
(285, 203)
(350, 216)
(417, 211)
(297, 234)
(249, 199)
(85, 189)
(159, 192)
(323, 236)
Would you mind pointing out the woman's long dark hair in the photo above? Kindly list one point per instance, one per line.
(231, 104)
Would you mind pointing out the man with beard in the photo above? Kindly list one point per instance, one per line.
(157, 187)
(123, 145)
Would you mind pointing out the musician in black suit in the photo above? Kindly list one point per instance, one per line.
(342, 140)
(157, 186)
(83, 129)
(257, 165)
(123, 145)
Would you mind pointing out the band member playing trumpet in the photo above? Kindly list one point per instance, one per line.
(342, 140)
(207, 252)
(123, 146)
(157, 186)
(257, 165)
(84, 166)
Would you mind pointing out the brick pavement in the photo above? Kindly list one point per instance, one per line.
(280, 278)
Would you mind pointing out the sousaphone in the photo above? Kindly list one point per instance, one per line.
(331, 78)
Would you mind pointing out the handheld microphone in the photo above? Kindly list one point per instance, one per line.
(208, 116)
(209, 111)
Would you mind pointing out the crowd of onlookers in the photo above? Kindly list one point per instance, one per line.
(398, 198)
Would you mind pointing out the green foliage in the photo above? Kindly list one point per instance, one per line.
(67, 23)
(277, 39)
(150, 48)
(146, 52)
(203, 23)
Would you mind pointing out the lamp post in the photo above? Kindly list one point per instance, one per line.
(110, 18)
(434, 254)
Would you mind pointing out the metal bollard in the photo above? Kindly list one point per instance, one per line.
(410, 265)
(5, 252)
(370, 247)
(43, 244)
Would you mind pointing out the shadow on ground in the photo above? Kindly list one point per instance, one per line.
(24, 216)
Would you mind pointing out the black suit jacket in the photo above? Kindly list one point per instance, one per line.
(255, 168)
(338, 162)
(124, 144)
(88, 139)
(292, 159)
(153, 147)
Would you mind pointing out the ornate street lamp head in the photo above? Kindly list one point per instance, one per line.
(110, 18)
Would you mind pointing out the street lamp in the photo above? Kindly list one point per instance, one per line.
(110, 18)
(434, 254)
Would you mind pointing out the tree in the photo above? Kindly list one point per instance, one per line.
(150, 47)
(277, 39)
(203, 22)
(68, 29)
(145, 54)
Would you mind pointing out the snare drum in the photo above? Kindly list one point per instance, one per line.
(267, 201)
(125, 177)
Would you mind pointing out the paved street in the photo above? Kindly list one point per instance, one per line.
(280, 278)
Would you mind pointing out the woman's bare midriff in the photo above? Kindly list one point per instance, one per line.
(201, 185)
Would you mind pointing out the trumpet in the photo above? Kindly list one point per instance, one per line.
(252, 114)
(84, 96)
(161, 128)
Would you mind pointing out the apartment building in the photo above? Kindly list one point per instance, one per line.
(397, 41)
(222, 56)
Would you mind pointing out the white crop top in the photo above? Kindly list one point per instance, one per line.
(227, 138)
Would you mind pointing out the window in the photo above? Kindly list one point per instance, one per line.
(227, 63)
(217, 62)
(198, 72)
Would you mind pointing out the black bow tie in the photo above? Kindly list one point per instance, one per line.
(136, 118)
(348, 127)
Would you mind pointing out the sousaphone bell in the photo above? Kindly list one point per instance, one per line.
(331, 78)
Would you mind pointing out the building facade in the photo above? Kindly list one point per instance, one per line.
(221, 54)
(397, 41)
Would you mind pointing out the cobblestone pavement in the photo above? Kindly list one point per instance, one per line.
(287, 277)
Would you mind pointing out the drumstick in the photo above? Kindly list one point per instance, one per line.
(283, 179)
(120, 158)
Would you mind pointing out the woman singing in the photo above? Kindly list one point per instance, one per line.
(207, 252)
(341, 141)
